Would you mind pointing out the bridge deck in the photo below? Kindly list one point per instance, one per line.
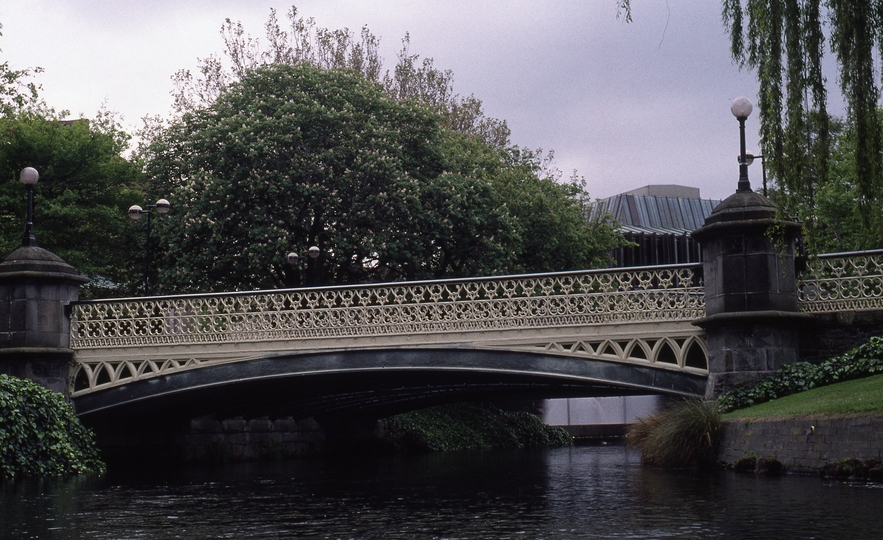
(620, 330)
(637, 316)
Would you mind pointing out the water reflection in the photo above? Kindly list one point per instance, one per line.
(583, 492)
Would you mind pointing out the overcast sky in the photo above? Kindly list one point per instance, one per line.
(626, 105)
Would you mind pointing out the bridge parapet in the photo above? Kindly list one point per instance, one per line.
(840, 282)
(633, 315)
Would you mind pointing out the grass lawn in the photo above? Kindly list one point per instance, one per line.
(850, 397)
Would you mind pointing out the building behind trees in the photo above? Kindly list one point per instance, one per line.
(659, 220)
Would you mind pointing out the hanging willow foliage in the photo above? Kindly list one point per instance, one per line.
(784, 43)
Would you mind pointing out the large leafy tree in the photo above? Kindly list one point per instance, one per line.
(85, 185)
(552, 230)
(306, 142)
(783, 42)
(295, 156)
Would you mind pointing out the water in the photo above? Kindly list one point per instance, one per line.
(580, 492)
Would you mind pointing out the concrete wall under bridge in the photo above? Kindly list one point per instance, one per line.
(601, 418)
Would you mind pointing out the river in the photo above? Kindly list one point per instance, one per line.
(579, 492)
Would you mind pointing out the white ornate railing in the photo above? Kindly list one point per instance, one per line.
(634, 315)
(662, 293)
(842, 282)
(637, 316)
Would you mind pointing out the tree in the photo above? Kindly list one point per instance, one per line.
(541, 202)
(306, 43)
(17, 91)
(296, 156)
(394, 176)
(84, 189)
(838, 225)
(421, 80)
(785, 41)
(551, 226)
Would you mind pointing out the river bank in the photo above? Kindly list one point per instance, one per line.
(804, 444)
(835, 430)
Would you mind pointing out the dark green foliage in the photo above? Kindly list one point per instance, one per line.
(81, 199)
(543, 220)
(784, 42)
(84, 189)
(295, 156)
(468, 426)
(303, 141)
(836, 224)
(769, 466)
(288, 158)
(745, 464)
(862, 361)
(684, 434)
(39, 433)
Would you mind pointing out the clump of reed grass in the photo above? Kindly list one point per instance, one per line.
(684, 434)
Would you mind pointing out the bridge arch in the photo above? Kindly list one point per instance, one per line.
(376, 383)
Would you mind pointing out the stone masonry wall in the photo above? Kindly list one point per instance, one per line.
(804, 444)
(236, 438)
(835, 333)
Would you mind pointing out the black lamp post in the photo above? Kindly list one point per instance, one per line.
(135, 212)
(294, 259)
(29, 177)
(741, 109)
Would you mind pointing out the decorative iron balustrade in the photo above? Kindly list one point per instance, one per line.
(661, 293)
(842, 282)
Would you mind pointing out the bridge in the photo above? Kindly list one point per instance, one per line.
(681, 330)
(702, 329)
(383, 348)
(387, 347)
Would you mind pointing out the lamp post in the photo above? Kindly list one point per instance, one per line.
(294, 259)
(135, 212)
(741, 109)
(29, 177)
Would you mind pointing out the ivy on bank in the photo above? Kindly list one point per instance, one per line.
(467, 426)
(39, 433)
(867, 359)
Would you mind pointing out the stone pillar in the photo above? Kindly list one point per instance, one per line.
(750, 291)
(36, 287)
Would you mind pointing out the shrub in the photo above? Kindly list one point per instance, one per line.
(467, 426)
(39, 433)
(685, 434)
(862, 361)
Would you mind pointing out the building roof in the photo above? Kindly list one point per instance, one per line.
(658, 214)
(666, 190)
